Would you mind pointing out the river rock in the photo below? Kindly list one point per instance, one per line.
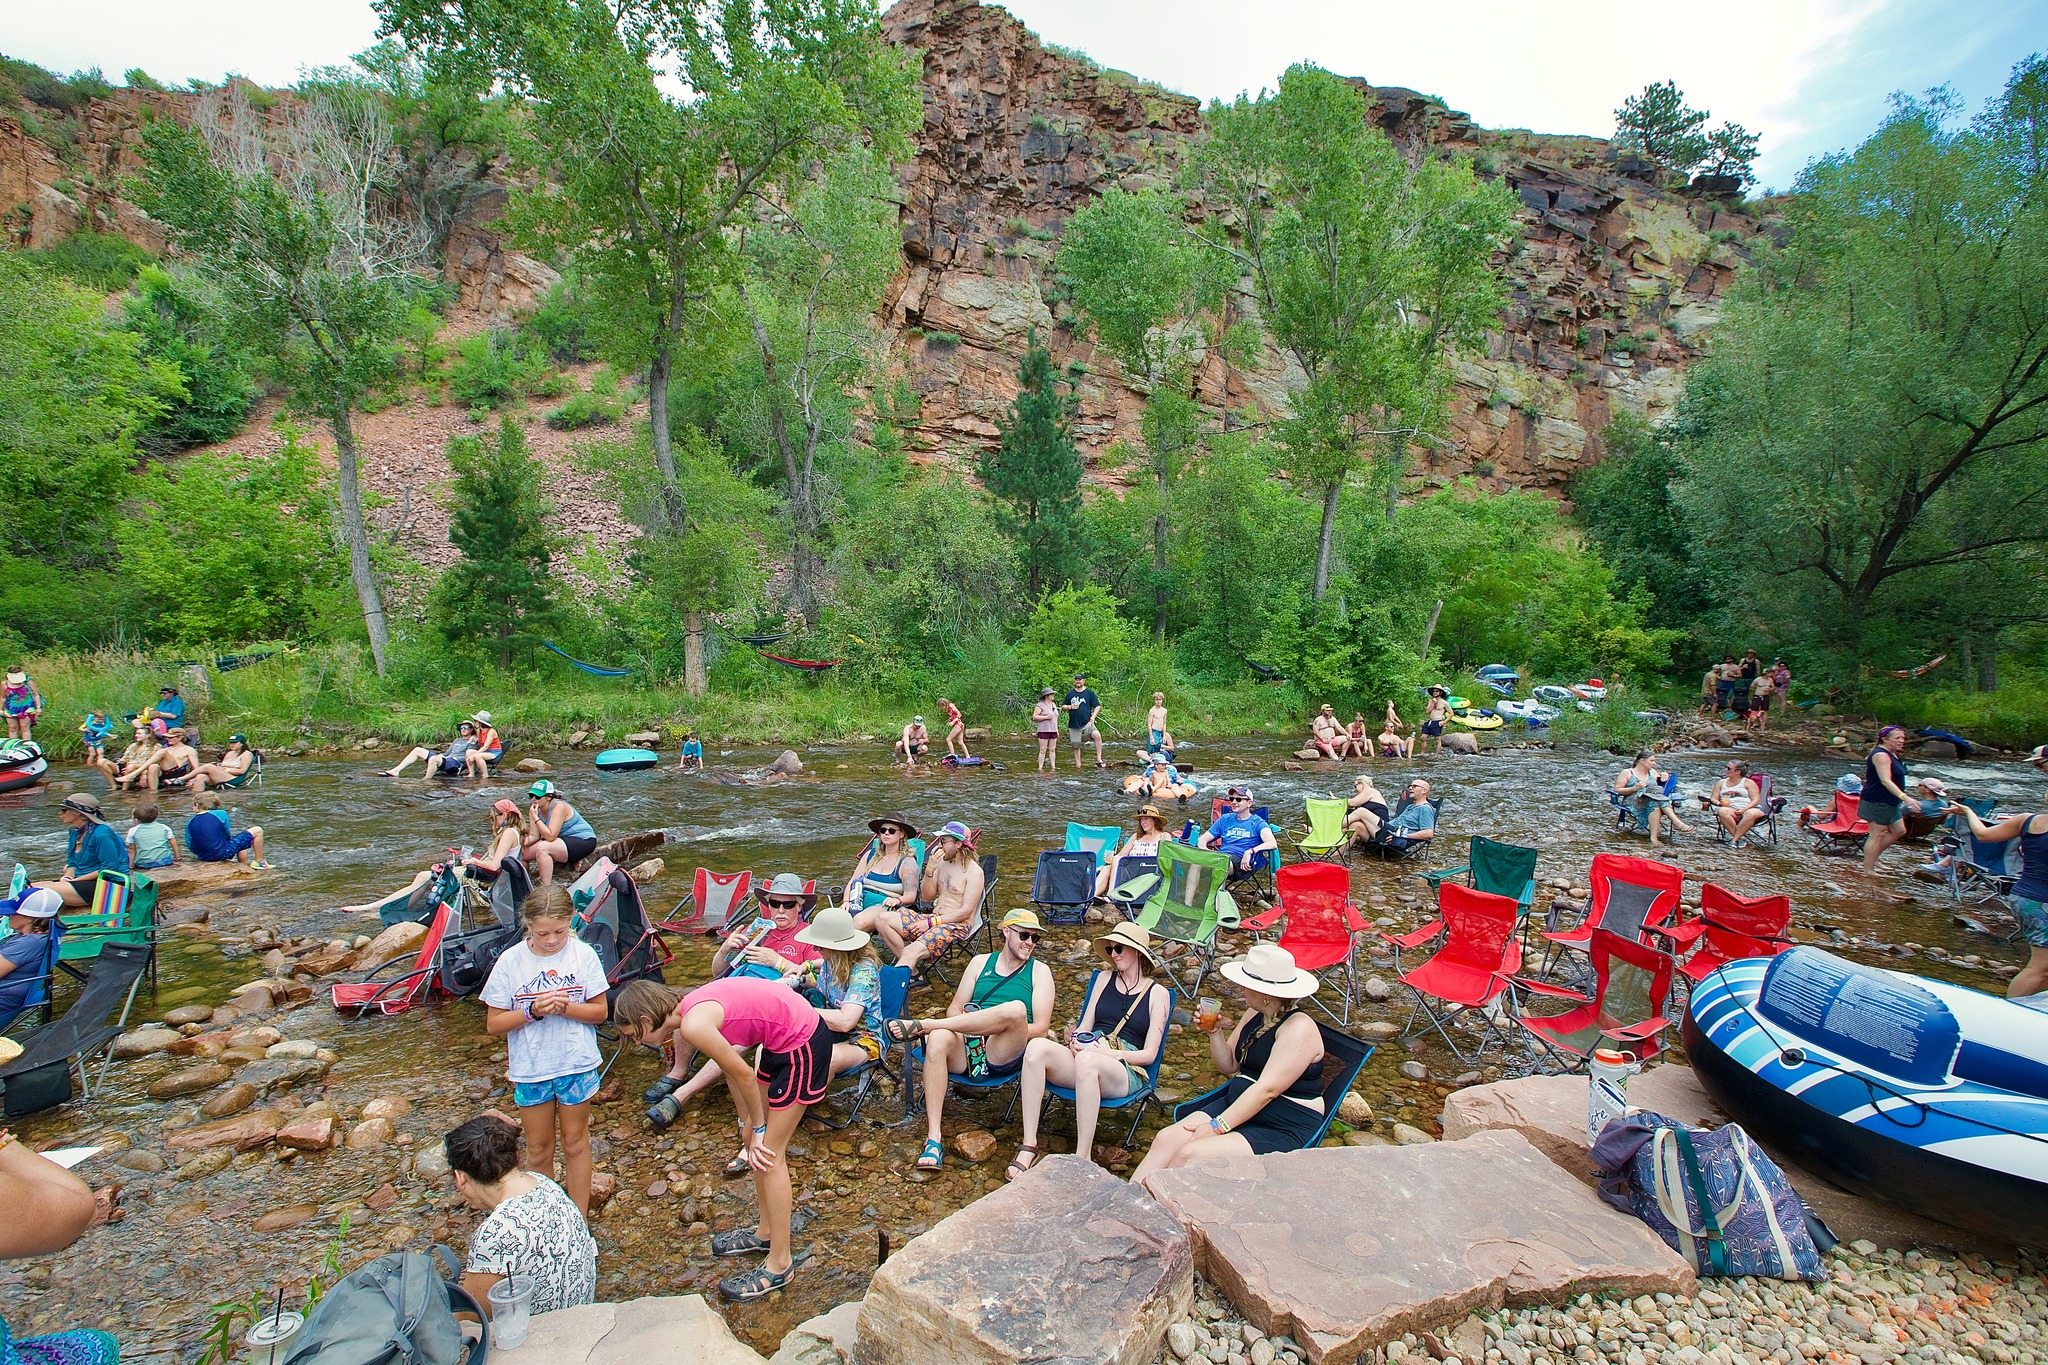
(371, 1133)
(603, 1184)
(230, 1101)
(296, 1047)
(138, 1160)
(205, 1164)
(1354, 1110)
(430, 1163)
(643, 873)
(188, 1014)
(327, 961)
(244, 1131)
(190, 1081)
(1308, 752)
(533, 765)
(1067, 1263)
(1415, 1071)
(223, 1015)
(1408, 1135)
(1461, 744)
(277, 1220)
(399, 940)
(269, 1074)
(974, 1144)
(308, 1135)
(1377, 989)
(787, 763)
(145, 1040)
(254, 1000)
(262, 1035)
(1457, 1228)
(644, 739)
(1378, 1031)
(387, 1107)
(243, 1055)
(578, 739)
(680, 1330)
(207, 1045)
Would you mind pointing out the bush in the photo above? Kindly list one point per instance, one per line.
(493, 369)
(99, 260)
(561, 325)
(1075, 630)
(178, 329)
(135, 78)
(586, 410)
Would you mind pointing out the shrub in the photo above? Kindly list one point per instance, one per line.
(943, 338)
(586, 410)
(561, 325)
(1074, 630)
(100, 260)
(493, 369)
(135, 78)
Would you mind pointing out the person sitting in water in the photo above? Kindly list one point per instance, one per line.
(886, 876)
(169, 708)
(1365, 810)
(92, 737)
(1414, 823)
(487, 750)
(556, 835)
(1642, 787)
(1325, 735)
(29, 952)
(208, 836)
(1273, 1057)
(1121, 1030)
(508, 840)
(1242, 835)
(231, 767)
(532, 1227)
(1357, 743)
(1393, 740)
(1160, 781)
(151, 843)
(1004, 1000)
(170, 766)
(132, 760)
(1736, 800)
(914, 741)
(692, 757)
(1151, 833)
(2030, 892)
(452, 761)
(952, 883)
(90, 849)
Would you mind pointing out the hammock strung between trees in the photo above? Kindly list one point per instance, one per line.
(1916, 672)
(758, 640)
(808, 665)
(591, 669)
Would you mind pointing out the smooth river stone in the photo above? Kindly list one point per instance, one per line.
(189, 1014)
(190, 1081)
(277, 1220)
(252, 1129)
(230, 1101)
(143, 1041)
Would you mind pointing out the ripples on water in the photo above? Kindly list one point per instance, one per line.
(342, 836)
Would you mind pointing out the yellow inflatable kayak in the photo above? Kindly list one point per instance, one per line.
(1478, 720)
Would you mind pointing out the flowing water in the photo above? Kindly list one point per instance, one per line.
(339, 835)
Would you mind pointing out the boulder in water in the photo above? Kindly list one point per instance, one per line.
(399, 940)
(1461, 744)
(787, 763)
(190, 1081)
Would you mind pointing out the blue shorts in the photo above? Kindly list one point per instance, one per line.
(240, 842)
(576, 1089)
(2033, 918)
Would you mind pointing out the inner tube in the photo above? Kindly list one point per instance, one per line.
(626, 760)
(1591, 691)
(1496, 671)
(1478, 720)
(1532, 711)
(22, 765)
(1554, 694)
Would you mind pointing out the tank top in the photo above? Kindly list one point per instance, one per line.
(1874, 790)
(1733, 794)
(1113, 1004)
(576, 827)
(1255, 1049)
(877, 885)
(992, 988)
(2033, 882)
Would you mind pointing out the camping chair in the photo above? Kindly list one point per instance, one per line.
(1625, 818)
(1470, 970)
(1322, 927)
(895, 993)
(123, 910)
(932, 968)
(1729, 927)
(1497, 869)
(1135, 1100)
(1132, 882)
(1343, 1058)
(395, 995)
(1977, 870)
(1764, 831)
(1840, 831)
(481, 931)
(1629, 894)
(1100, 840)
(1064, 886)
(1325, 833)
(838, 893)
(249, 776)
(1631, 984)
(1185, 910)
(1260, 873)
(42, 988)
(630, 948)
(1391, 846)
(712, 902)
(448, 887)
(41, 1077)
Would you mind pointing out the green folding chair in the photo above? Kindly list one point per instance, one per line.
(123, 910)
(1325, 828)
(1497, 869)
(1186, 909)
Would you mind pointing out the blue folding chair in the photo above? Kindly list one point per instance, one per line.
(895, 993)
(1625, 817)
(1343, 1058)
(1976, 870)
(1064, 886)
(1137, 1099)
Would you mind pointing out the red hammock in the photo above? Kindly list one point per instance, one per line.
(1916, 672)
(813, 665)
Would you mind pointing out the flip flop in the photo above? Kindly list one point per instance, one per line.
(933, 1157)
(1020, 1163)
(755, 1283)
(903, 1030)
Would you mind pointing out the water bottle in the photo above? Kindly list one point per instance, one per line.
(1607, 1089)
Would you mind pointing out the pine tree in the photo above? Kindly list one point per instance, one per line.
(1035, 474)
(499, 591)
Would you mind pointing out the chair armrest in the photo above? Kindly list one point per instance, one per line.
(1354, 921)
(1444, 874)
(1416, 939)
(1681, 935)
(1647, 1029)
(1555, 992)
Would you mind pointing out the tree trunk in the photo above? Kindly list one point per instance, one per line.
(1395, 454)
(804, 568)
(1969, 665)
(658, 372)
(1160, 531)
(1330, 496)
(1987, 662)
(1429, 631)
(693, 654)
(357, 538)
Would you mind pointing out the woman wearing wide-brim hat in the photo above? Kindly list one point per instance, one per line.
(1144, 843)
(849, 977)
(1274, 1099)
(1107, 1054)
(887, 873)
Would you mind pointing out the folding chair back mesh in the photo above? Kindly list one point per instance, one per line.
(715, 897)
(1321, 927)
(1504, 870)
(1136, 874)
(1631, 892)
(1325, 826)
(1100, 840)
(1064, 885)
(1184, 911)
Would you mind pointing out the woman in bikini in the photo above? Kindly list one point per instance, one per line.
(886, 876)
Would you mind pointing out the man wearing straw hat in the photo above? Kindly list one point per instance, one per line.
(1106, 1055)
(1274, 1100)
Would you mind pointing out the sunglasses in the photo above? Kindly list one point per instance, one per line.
(783, 905)
(1028, 935)
(1117, 949)
(889, 829)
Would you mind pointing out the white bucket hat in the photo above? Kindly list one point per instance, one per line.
(833, 928)
(1269, 969)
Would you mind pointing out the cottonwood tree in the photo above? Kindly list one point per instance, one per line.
(1035, 473)
(289, 215)
(1867, 437)
(1367, 271)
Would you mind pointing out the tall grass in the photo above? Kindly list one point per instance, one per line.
(2013, 717)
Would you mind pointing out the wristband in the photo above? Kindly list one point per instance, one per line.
(529, 1012)
(1217, 1125)
(761, 1131)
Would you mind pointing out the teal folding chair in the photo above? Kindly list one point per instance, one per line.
(1499, 870)
(1100, 840)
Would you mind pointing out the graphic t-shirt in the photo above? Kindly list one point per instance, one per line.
(541, 1234)
(554, 1045)
(863, 987)
(1236, 834)
(1085, 704)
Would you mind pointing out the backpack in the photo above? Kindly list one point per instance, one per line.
(394, 1311)
(1714, 1197)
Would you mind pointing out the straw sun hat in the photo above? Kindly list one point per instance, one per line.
(1131, 936)
(1269, 969)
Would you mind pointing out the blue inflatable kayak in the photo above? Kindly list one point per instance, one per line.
(1963, 746)
(626, 760)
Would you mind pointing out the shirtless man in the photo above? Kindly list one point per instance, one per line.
(1326, 734)
(916, 739)
(1393, 743)
(173, 765)
(952, 883)
(1433, 717)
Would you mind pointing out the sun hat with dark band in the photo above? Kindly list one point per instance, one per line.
(1131, 936)
(909, 830)
(84, 804)
(1269, 969)
(833, 928)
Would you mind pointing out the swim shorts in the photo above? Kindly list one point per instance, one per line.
(1432, 727)
(798, 1077)
(576, 1089)
(1877, 814)
(2033, 918)
(934, 937)
(578, 846)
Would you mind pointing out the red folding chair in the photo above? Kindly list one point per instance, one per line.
(1322, 925)
(1472, 968)
(1631, 986)
(1729, 927)
(1840, 829)
(1629, 895)
(714, 900)
(395, 995)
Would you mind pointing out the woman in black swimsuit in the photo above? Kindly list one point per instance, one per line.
(1274, 1101)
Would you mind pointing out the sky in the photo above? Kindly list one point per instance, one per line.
(1810, 76)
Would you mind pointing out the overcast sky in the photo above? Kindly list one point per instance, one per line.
(1811, 76)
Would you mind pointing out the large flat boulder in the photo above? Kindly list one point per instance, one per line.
(1344, 1248)
(678, 1330)
(1066, 1264)
(1550, 1111)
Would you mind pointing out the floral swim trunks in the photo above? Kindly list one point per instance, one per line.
(2033, 918)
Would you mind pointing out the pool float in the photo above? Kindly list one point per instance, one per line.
(1561, 696)
(22, 764)
(1592, 689)
(1497, 671)
(626, 760)
(1482, 719)
(1929, 1095)
(1531, 711)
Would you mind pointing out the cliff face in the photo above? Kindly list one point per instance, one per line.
(1612, 279)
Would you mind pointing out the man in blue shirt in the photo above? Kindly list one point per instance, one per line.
(1081, 705)
(91, 850)
(1240, 835)
(169, 708)
(1414, 823)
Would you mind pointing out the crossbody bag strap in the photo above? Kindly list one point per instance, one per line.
(1710, 1222)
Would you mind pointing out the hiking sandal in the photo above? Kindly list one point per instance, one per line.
(661, 1090)
(903, 1030)
(933, 1157)
(738, 1242)
(755, 1283)
(1021, 1163)
(739, 1165)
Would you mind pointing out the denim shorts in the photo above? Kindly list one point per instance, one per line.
(576, 1089)
(2033, 918)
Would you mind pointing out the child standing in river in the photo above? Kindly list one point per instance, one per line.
(546, 997)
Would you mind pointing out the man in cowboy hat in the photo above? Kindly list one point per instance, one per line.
(452, 761)
(487, 750)
(1434, 714)
(1004, 1000)
(91, 849)
(952, 883)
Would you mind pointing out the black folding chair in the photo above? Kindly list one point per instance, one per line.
(41, 1077)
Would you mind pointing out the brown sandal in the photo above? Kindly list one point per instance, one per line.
(1020, 1163)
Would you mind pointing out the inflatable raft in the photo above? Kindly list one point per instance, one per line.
(1531, 711)
(1482, 719)
(1929, 1095)
(22, 765)
(626, 760)
(1560, 696)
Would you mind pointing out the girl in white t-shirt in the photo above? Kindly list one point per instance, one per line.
(546, 999)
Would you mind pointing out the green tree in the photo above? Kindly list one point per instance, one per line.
(1074, 630)
(500, 590)
(1660, 127)
(1626, 503)
(1367, 271)
(643, 182)
(1864, 445)
(1035, 471)
(314, 262)
(179, 327)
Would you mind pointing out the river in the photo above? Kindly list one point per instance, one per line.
(339, 835)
